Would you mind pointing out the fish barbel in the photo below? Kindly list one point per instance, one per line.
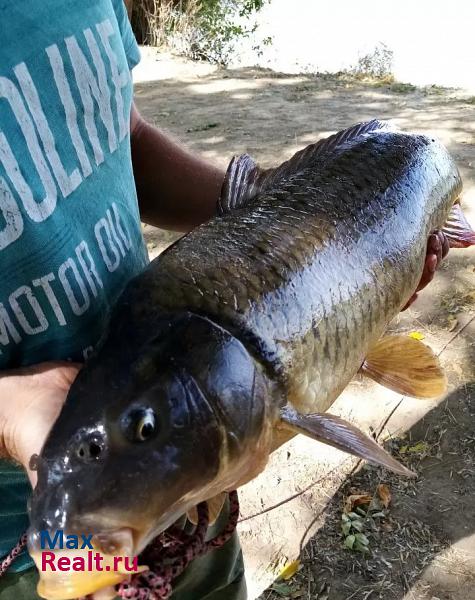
(243, 333)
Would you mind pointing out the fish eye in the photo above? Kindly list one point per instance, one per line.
(140, 424)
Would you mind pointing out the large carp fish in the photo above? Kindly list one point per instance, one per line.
(242, 334)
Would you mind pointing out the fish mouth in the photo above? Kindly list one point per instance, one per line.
(68, 573)
(110, 558)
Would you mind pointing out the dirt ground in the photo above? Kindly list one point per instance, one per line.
(422, 545)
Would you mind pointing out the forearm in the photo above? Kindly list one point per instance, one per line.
(176, 189)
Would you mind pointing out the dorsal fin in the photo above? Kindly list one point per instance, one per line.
(245, 179)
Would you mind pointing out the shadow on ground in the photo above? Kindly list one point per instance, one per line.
(271, 115)
(413, 547)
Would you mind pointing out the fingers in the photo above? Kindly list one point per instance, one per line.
(35, 397)
(412, 299)
(438, 244)
(430, 266)
(434, 244)
(59, 374)
(437, 250)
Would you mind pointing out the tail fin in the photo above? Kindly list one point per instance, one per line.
(458, 230)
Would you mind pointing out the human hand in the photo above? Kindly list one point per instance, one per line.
(437, 250)
(30, 401)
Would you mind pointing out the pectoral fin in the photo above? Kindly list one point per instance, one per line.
(457, 229)
(406, 366)
(215, 506)
(336, 432)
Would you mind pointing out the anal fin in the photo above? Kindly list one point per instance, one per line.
(406, 366)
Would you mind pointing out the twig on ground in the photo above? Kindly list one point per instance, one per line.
(297, 494)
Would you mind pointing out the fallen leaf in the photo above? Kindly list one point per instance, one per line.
(416, 335)
(355, 500)
(384, 494)
(289, 570)
(452, 322)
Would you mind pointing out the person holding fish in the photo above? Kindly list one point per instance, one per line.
(79, 169)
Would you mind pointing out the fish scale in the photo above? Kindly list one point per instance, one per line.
(328, 238)
(242, 334)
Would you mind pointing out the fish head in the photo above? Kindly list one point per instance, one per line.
(141, 441)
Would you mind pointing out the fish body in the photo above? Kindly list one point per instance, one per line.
(310, 271)
(243, 333)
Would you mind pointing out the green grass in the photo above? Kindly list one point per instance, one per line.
(402, 88)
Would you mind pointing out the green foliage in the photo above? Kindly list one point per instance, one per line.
(377, 64)
(352, 525)
(220, 24)
(200, 29)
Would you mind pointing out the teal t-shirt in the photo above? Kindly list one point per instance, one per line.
(70, 235)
